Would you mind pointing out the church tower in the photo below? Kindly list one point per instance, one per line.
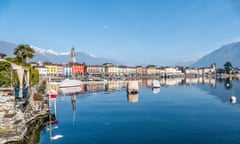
(73, 56)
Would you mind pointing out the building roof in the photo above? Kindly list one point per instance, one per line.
(2, 55)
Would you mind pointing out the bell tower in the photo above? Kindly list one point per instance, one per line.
(73, 56)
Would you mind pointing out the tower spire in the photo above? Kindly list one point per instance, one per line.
(73, 56)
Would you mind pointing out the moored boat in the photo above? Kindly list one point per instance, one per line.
(76, 89)
(155, 84)
(52, 93)
(132, 87)
(70, 83)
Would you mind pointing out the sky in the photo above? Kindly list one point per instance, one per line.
(133, 32)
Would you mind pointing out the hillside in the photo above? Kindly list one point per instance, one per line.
(229, 52)
(7, 48)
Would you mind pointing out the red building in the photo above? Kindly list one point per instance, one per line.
(77, 68)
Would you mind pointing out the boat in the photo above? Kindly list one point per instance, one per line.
(70, 83)
(155, 84)
(52, 93)
(132, 87)
(67, 90)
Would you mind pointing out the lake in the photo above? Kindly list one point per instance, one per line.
(180, 111)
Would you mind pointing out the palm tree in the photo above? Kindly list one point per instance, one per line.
(23, 52)
(228, 67)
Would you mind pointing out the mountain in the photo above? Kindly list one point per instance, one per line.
(7, 48)
(55, 57)
(229, 52)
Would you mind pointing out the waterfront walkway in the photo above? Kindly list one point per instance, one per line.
(14, 115)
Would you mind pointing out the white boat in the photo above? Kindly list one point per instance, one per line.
(70, 83)
(68, 90)
(155, 84)
(132, 87)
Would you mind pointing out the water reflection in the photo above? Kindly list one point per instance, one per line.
(111, 86)
(133, 98)
(73, 100)
(228, 83)
(156, 90)
(206, 87)
(222, 88)
(53, 119)
(74, 105)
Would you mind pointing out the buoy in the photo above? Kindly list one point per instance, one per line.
(233, 99)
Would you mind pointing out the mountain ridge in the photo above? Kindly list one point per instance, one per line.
(228, 52)
(48, 55)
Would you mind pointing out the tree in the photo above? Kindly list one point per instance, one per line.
(11, 60)
(23, 52)
(228, 67)
(34, 75)
(42, 87)
(5, 74)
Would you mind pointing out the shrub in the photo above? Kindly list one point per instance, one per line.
(37, 97)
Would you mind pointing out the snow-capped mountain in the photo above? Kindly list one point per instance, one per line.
(48, 55)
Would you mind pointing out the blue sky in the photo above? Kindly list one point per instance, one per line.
(134, 32)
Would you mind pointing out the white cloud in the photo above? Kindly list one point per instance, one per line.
(65, 53)
(92, 55)
(44, 51)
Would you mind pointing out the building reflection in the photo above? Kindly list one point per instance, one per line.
(181, 81)
(171, 81)
(72, 92)
(94, 87)
(200, 80)
(111, 86)
(115, 85)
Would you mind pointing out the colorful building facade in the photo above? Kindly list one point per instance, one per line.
(77, 69)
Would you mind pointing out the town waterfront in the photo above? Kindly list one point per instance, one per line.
(178, 113)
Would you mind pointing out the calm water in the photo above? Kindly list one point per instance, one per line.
(193, 113)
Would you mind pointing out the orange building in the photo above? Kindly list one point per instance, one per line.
(77, 68)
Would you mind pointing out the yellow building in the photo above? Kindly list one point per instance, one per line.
(151, 69)
(52, 69)
(110, 69)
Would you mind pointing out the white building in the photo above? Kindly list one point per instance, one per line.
(67, 70)
(43, 71)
